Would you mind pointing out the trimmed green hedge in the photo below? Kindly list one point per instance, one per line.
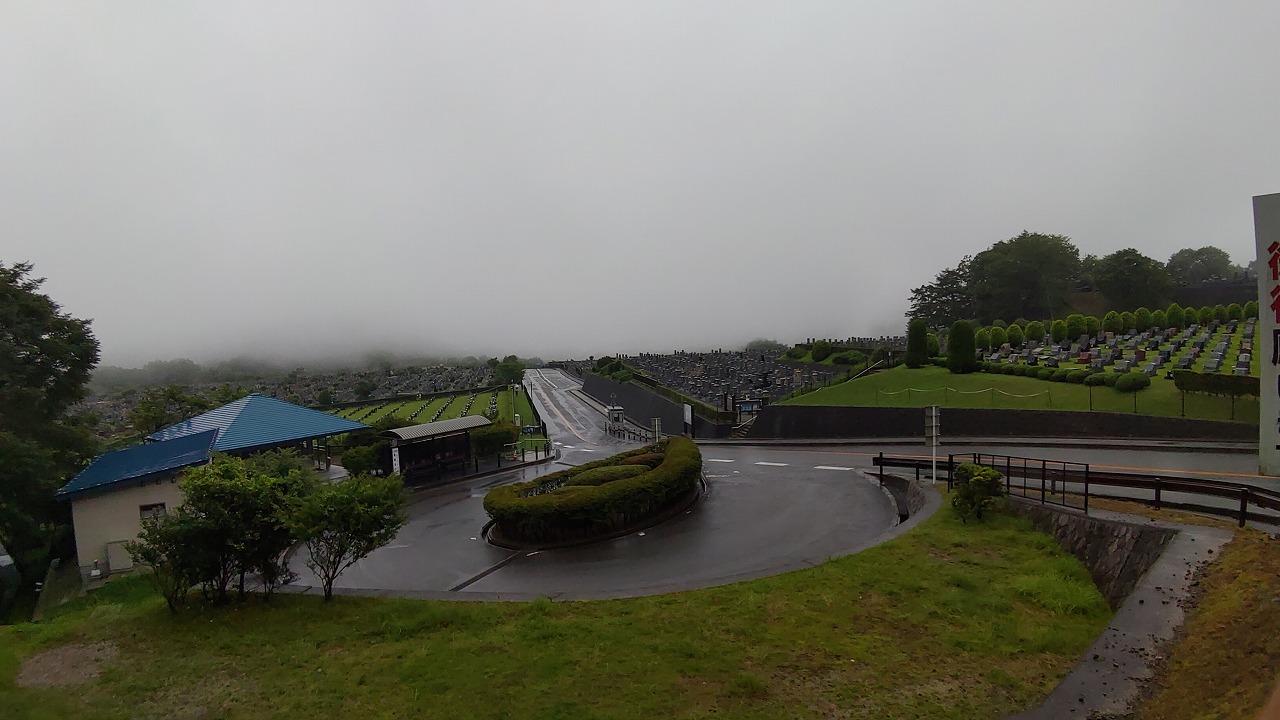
(1216, 384)
(543, 511)
(602, 475)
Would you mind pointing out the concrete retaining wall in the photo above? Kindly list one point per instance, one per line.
(641, 405)
(908, 494)
(1116, 553)
(815, 421)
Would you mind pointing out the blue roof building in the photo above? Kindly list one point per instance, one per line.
(140, 464)
(258, 422)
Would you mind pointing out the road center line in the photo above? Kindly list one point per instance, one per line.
(830, 467)
(717, 460)
(772, 464)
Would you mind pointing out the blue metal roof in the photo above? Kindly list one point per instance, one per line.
(257, 421)
(142, 461)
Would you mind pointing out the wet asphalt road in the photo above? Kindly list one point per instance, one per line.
(755, 519)
(767, 509)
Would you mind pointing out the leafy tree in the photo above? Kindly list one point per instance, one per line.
(1191, 266)
(917, 343)
(1028, 275)
(361, 460)
(1014, 334)
(490, 440)
(763, 346)
(1191, 316)
(1175, 316)
(325, 397)
(167, 545)
(961, 354)
(1129, 278)
(364, 388)
(1127, 319)
(1206, 314)
(1034, 331)
(1235, 312)
(998, 336)
(1058, 330)
(999, 323)
(509, 371)
(1159, 319)
(161, 407)
(1111, 322)
(1220, 313)
(947, 299)
(46, 357)
(341, 523)
(1075, 326)
(982, 339)
(1091, 325)
(1142, 318)
(1251, 309)
(933, 345)
(821, 350)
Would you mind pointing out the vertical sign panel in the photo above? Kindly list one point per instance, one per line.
(1266, 228)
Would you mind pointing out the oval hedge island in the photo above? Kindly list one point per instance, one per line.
(597, 500)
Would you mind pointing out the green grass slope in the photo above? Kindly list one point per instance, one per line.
(948, 621)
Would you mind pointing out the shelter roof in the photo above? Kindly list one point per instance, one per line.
(142, 461)
(256, 421)
(437, 428)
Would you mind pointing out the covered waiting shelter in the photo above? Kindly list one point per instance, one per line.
(429, 449)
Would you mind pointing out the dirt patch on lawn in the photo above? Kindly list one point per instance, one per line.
(72, 664)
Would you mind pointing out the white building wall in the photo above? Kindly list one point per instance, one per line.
(115, 516)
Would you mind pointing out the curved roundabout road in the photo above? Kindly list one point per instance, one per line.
(766, 510)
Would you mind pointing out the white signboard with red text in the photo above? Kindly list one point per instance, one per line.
(1266, 228)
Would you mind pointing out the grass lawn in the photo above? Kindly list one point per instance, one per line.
(403, 409)
(919, 387)
(947, 621)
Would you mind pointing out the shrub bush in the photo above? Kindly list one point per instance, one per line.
(982, 339)
(1176, 316)
(1206, 314)
(1251, 309)
(1075, 326)
(533, 512)
(1110, 378)
(1191, 316)
(932, 345)
(1034, 331)
(1091, 325)
(1111, 322)
(1060, 375)
(976, 490)
(917, 343)
(602, 475)
(1077, 376)
(1216, 383)
(848, 357)
(1159, 320)
(961, 354)
(1043, 373)
(999, 336)
(796, 353)
(652, 460)
(821, 350)
(1132, 382)
(1142, 318)
(1014, 333)
(1058, 330)
(1126, 319)
(1235, 312)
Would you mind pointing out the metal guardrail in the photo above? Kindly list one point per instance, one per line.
(1071, 484)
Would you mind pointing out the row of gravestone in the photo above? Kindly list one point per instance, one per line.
(1129, 352)
(711, 376)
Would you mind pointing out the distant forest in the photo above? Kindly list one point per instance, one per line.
(1044, 277)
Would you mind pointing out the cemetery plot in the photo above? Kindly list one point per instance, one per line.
(715, 377)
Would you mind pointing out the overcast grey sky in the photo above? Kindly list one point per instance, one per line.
(208, 179)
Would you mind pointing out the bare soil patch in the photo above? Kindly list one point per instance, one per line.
(72, 664)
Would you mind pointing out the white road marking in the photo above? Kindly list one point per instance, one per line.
(830, 467)
(717, 460)
(568, 447)
(394, 547)
(585, 449)
(772, 464)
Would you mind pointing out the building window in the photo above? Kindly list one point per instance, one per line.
(151, 511)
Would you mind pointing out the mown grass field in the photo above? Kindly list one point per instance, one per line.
(947, 621)
(453, 407)
(919, 387)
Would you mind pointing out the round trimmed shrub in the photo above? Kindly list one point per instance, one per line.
(1142, 318)
(1077, 376)
(1251, 309)
(1096, 379)
(1034, 331)
(650, 459)
(999, 336)
(917, 343)
(1191, 316)
(962, 356)
(1058, 330)
(1045, 373)
(1109, 379)
(1014, 334)
(1159, 320)
(1060, 375)
(1132, 382)
(1126, 319)
(544, 511)
(1176, 316)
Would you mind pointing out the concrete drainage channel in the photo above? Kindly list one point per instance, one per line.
(1145, 569)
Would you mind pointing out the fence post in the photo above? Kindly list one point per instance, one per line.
(1244, 505)
(1157, 503)
(1086, 489)
(881, 468)
(1043, 483)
